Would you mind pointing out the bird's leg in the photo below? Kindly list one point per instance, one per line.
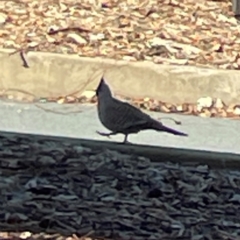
(106, 134)
(125, 139)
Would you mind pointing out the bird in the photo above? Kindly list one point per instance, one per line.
(123, 118)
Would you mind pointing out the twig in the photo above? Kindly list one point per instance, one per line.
(18, 50)
(61, 113)
(25, 64)
(89, 80)
(78, 29)
(19, 90)
(169, 118)
(21, 52)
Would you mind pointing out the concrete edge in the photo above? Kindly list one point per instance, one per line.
(215, 160)
(54, 74)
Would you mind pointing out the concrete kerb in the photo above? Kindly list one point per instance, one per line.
(51, 75)
(215, 160)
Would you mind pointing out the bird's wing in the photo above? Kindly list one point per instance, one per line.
(129, 115)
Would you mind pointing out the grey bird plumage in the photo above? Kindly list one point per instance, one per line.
(121, 117)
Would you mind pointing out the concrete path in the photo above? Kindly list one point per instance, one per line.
(205, 134)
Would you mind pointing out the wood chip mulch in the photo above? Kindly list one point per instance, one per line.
(62, 188)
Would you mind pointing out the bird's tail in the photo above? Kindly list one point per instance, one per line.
(160, 127)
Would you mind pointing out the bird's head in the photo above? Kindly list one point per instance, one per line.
(103, 89)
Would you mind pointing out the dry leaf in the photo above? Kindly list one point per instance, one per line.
(204, 102)
(3, 18)
(76, 38)
(236, 110)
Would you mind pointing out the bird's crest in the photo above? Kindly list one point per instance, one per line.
(102, 87)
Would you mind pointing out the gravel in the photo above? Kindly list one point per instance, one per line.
(62, 188)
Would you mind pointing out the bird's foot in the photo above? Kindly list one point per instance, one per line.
(125, 141)
(104, 134)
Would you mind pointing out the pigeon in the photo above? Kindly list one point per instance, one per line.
(123, 118)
